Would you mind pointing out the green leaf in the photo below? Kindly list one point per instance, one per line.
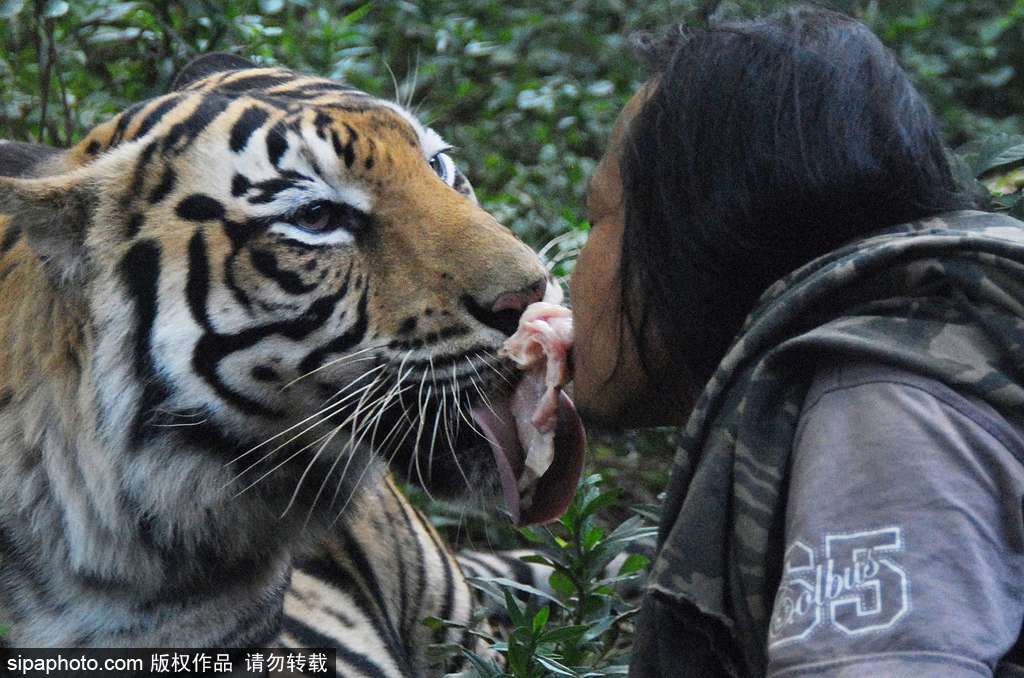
(600, 627)
(515, 612)
(433, 623)
(561, 584)
(540, 619)
(992, 151)
(511, 584)
(564, 634)
(600, 502)
(484, 667)
(1007, 202)
(55, 9)
(538, 559)
(632, 530)
(649, 512)
(592, 536)
(1017, 210)
(554, 667)
(271, 6)
(635, 562)
(530, 535)
(111, 13)
(356, 14)
(10, 8)
(518, 659)
(998, 77)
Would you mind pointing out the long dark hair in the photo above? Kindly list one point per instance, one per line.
(763, 145)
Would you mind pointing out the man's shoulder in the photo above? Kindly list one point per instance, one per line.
(880, 391)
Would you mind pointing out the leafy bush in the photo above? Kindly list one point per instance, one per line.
(578, 629)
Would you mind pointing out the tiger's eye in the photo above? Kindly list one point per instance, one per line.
(437, 165)
(313, 217)
(444, 166)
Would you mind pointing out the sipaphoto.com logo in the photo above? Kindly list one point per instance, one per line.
(63, 664)
(857, 586)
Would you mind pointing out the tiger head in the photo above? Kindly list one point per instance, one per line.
(280, 270)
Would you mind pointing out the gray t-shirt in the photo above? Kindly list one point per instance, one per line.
(904, 533)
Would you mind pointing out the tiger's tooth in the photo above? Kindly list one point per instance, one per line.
(538, 458)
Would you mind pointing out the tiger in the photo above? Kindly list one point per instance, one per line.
(258, 267)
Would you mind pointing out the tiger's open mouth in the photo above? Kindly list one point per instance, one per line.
(535, 434)
(539, 471)
(460, 445)
(500, 421)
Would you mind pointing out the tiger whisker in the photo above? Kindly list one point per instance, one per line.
(433, 443)
(445, 417)
(394, 393)
(487, 403)
(390, 459)
(483, 396)
(275, 468)
(336, 407)
(331, 363)
(394, 82)
(348, 361)
(354, 420)
(419, 436)
(557, 240)
(456, 407)
(447, 428)
(394, 429)
(419, 429)
(565, 254)
(199, 411)
(329, 437)
(380, 403)
(562, 256)
(461, 413)
(352, 494)
(401, 378)
(352, 383)
(415, 82)
(271, 453)
(437, 420)
(307, 419)
(341, 454)
(455, 456)
(493, 368)
(184, 423)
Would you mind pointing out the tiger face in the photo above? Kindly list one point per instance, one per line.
(279, 271)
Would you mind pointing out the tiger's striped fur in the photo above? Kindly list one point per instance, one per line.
(367, 592)
(172, 302)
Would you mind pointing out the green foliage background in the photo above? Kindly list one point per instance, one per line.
(527, 92)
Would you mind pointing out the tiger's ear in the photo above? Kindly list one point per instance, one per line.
(207, 65)
(53, 214)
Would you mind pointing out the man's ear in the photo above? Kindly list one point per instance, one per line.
(208, 64)
(53, 215)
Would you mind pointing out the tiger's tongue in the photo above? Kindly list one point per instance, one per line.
(513, 438)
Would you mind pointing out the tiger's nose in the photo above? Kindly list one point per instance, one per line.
(503, 313)
(518, 301)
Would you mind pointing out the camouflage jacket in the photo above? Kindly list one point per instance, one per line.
(943, 298)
